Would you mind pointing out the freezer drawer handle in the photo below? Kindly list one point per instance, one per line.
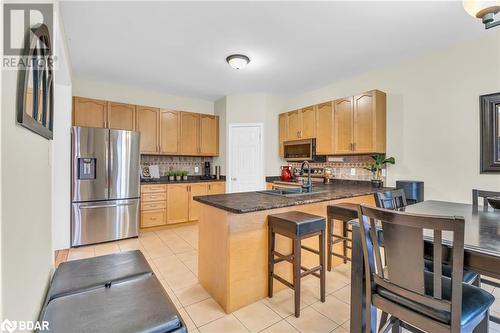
(105, 206)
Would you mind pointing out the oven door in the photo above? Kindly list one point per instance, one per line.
(299, 150)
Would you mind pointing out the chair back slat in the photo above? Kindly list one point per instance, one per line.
(391, 199)
(403, 244)
(457, 275)
(438, 263)
(376, 248)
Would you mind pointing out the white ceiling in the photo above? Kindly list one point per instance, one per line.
(180, 47)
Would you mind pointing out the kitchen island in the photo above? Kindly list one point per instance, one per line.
(233, 237)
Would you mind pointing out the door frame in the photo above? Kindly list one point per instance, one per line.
(229, 181)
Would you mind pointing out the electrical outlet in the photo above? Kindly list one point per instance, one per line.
(196, 169)
(353, 171)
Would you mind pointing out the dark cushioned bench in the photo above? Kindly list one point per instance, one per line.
(112, 293)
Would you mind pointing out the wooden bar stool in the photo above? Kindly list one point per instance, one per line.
(297, 226)
(342, 212)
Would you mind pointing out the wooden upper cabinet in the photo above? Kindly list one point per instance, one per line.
(170, 122)
(343, 142)
(369, 117)
(148, 125)
(209, 134)
(89, 112)
(293, 125)
(324, 129)
(283, 130)
(307, 128)
(190, 133)
(121, 116)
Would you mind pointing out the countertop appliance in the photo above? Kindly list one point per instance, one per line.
(105, 172)
(207, 171)
(286, 173)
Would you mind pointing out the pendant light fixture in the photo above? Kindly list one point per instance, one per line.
(485, 10)
(238, 61)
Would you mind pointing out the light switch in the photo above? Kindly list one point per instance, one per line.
(383, 172)
(353, 171)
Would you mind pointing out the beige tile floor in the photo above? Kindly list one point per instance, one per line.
(172, 253)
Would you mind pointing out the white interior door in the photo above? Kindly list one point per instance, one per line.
(246, 170)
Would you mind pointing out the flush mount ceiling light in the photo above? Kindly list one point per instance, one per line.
(238, 61)
(485, 10)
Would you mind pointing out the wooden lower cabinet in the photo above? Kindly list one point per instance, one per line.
(194, 207)
(152, 218)
(216, 188)
(153, 205)
(163, 204)
(177, 203)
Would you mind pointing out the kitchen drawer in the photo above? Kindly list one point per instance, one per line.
(153, 188)
(160, 196)
(153, 218)
(153, 205)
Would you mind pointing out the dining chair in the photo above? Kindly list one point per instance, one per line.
(396, 199)
(476, 194)
(415, 298)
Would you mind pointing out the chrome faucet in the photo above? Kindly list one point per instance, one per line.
(307, 185)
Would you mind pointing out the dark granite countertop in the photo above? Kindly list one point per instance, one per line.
(191, 179)
(247, 202)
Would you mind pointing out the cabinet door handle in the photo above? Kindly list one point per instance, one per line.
(153, 218)
(354, 146)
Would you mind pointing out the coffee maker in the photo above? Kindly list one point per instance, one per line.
(207, 171)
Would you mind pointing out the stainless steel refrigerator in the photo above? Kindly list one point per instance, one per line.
(105, 185)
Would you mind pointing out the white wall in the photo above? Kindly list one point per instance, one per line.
(26, 215)
(140, 96)
(251, 108)
(432, 115)
(220, 110)
(61, 172)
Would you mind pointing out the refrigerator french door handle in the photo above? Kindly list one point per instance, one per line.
(106, 206)
(110, 159)
(108, 172)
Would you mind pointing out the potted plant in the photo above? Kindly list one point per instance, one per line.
(171, 175)
(379, 161)
(178, 175)
(184, 175)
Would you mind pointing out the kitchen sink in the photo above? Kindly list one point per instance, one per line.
(290, 192)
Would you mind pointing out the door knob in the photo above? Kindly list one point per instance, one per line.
(233, 179)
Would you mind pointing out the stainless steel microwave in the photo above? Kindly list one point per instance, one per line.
(300, 150)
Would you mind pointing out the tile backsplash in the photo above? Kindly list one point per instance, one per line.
(342, 166)
(183, 163)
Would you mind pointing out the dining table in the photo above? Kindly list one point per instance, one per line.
(481, 250)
